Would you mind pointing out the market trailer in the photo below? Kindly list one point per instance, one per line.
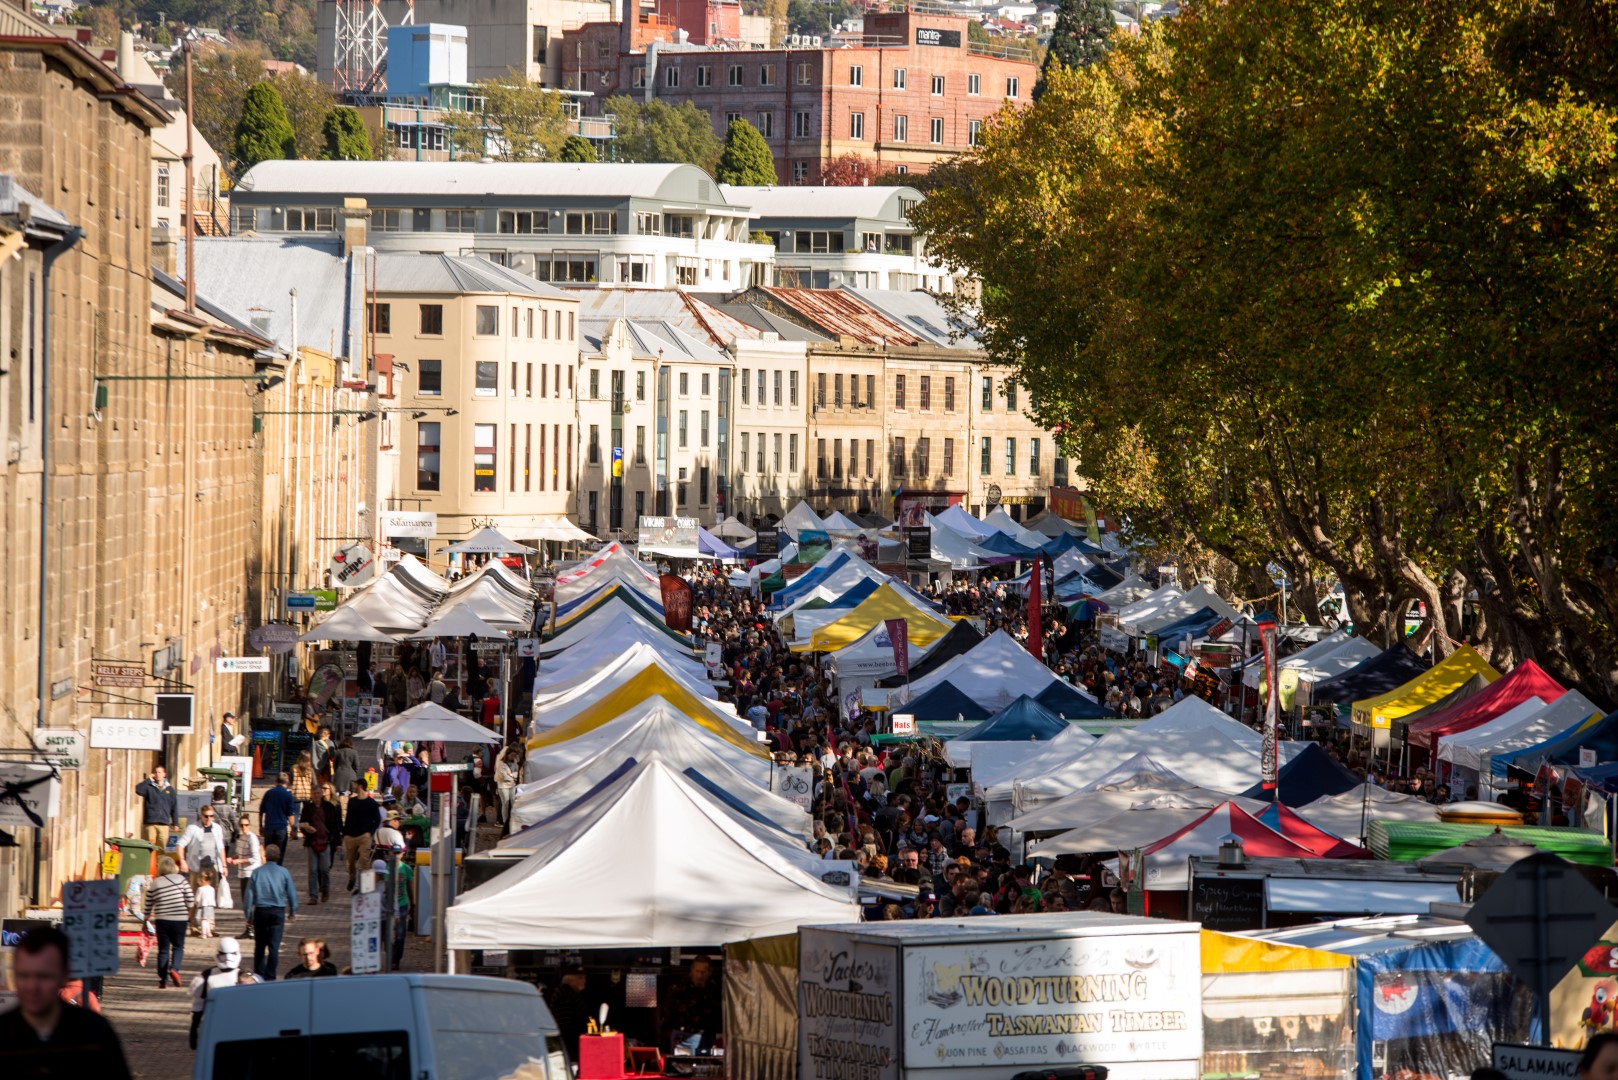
(983, 999)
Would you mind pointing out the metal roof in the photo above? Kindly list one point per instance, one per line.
(696, 317)
(843, 314)
(655, 339)
(924, 314)
(405, 272)
(440, 180)
(832, 203)
(252, 275)
(763, 320)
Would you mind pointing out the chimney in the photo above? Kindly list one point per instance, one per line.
(356, 218)
(126, 56)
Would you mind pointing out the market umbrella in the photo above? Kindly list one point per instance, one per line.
(1495, 851)
(428, 722)
(346, 624)
(489, 541)
(458, 622)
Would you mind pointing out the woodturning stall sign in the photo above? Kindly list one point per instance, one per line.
(847, 1025)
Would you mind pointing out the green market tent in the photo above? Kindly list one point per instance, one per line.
(1407, 841)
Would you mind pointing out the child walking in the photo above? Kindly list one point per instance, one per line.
(206, 903)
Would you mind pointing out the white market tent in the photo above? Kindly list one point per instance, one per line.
(995, 778)
(993, 673)
(417, 573)
(957, 520)
(1318, 668)
(1475, 751)
(428, 722)
(1148, 605)
(652, 724)
(1001, 522)
(871, 657)
(582, 662)
(391, 605)
(458, 622)
(553, 712)
(489, 541)
(949, 546)
(1142, 822)
(1303, 659)
(1341, 815)
(346, 624)
(1126, 592)
(559, 529)
(1178, 608)
(1073, 561)
(801, 519)
(650, 862)
(1136, 779)
(837, 521)
(612, 622)
(583, 683)
(733, 529)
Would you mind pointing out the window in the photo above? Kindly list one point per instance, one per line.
(648, 223)
(634, 268)
(527, 457)
(381, 1055)
(896, 454)
(870, 457)
(974, 85)
(900, 244)
(870, 391)
(746, 391)
(734, 78)
(898, 391)
(924, 453)
(983, 456)
(856, 75)
(460, 221)
(792, 454)
(803, 125)
(800, 171)
(705, 75)
(949, 393)
(792, 388)
(592, 222)
(803, 74)
(637, 78)
(974, 132)
(761, 386)
(837, 459)
(949, 457)
(529, 391)
(683, 226)
(566, 266)
(901, 128)
(483, 451)
(926, 392)
(542, 40)
(702, 429)
(595, 444)
(311, 219)
(523, 222)
(487, 375)
(514, 329)
(1011, 86)
(511, 464)
(856, 125)
(744, 451)
(761, 453)
(1011, 457)
(775, 457)
(685, 384)
(988, 394)
(809, 242)
(820, 459)
(427, 444)
(1011, 396)
(766, 124)
(937, 130)
(778, 386)
(530, 322)
(705, 385)
(837, 390)
(854, 391)
(488, 321)
(820, 389)
(671, 76)
(766, 74)
(684, 429)
(1059, 472)
(430, 378)
(243, 219)
(702, 485)
(595, 384)
(640, 444)
(898, 78)
(386, 220)
(1033, 458)
(938, 86)
(381, 318)
(432, 319)
(640, 386)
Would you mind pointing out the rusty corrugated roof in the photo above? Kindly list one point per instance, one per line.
(841, 314)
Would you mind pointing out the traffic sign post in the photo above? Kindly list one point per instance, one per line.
(1540, 917)
(1535, 1062)
(90, 921)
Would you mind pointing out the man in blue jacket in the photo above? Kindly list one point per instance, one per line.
(159, 812)
(271, 901)
(276, 811)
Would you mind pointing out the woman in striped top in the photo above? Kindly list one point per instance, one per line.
(168, 907)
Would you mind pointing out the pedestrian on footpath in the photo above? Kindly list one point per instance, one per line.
(314, 961)
(168, 909)
(360, 822)
(303, 782)
(226, 971)
(247, 855)
(344, 764)
(271, 903)
(277, 809)
(321, 825)
(44, 1036)
(322, 748)
(160, 809)
(201, 846)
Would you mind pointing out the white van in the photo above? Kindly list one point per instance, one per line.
(378, 1027)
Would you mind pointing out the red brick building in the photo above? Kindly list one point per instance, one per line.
(915, 92)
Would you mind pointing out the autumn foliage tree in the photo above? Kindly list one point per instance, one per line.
(1371, 344)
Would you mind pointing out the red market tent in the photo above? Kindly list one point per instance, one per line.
(1292, 825)
(1526, 680)
(1166, 859)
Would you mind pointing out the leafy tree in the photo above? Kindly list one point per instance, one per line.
(1369, 347)
(977, 33)
(520, 121)
(848, 170)
(658, 131)
(307, 101)
(577, 148)
(746, 159)
(264, 132)
(1078, 39)
(346, 137)
(220, 79)
(810, 17)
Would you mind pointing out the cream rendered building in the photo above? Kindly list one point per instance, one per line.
(772, 420)
(484, 366)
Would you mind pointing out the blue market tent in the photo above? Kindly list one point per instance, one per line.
(1392, 667)
(1001, 544)
(1064, 701)
(1310, 775)
(812, 577)
(709, 544)
(1601, 736)
(1106, 575)
(1192, 626)
(960, 639)
(944, 702)
(613, 591)
(1024, 720)
(1059, 543)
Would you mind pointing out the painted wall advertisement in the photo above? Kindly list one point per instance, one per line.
(1017, 1004)
(847, 1009)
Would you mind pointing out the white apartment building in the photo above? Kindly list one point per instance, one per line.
(772, 427)
(860, 237)
(580, 226)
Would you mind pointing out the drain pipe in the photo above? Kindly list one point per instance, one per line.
(51, 254)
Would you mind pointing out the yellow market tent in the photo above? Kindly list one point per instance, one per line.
(886, 603)
(1431, 685)
(1267, 1006)
(650, 682)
